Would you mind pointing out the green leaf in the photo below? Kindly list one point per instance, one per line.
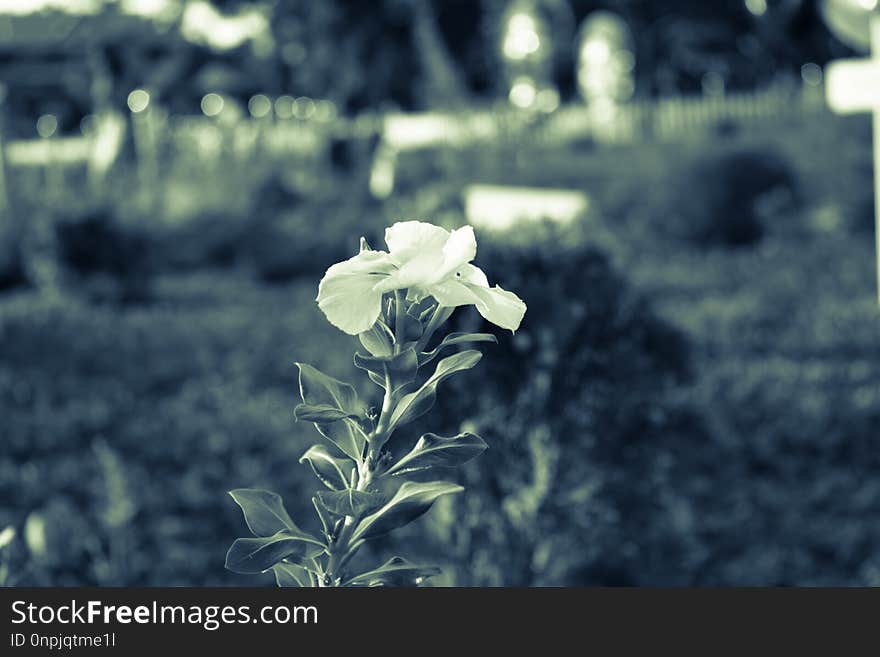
(249, 556)
(326, 521)
(411, 327)
(332, 471)
(410, 501)
(350, 502)
(420, 402)
(346, 435)
(263, 510)
(452, 339)
(397, 571)
(319, 390)
(436, 451)
(378, 380)
(288, 574)
(267, 518)
(402, 368)
(320, 413)
(378, 340)
(421, 307)
(433, 321)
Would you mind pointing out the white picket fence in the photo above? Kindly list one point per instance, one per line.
(682, 117)
(663, 119)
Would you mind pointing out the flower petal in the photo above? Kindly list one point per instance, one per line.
(417, 249)
(496, 304)
(499, 306)
(414, 273)
(473, 275)
(453, 293)
(407, 240)
(460, 249)
(347, 294)
(455, 290)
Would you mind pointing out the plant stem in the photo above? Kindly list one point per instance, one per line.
(399, 312)
(341, 552)
(440, 315)
(379, 436)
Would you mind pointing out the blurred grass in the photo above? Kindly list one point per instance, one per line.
(786, 342)
(786, 350)
(193, 394)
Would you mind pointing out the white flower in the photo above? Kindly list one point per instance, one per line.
(426, 260)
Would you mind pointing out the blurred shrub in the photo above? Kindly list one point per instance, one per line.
(222, 239)
(284, 235)
(276, 194)
(854, 190)
(296, 244)
(842, 176)
(863, 217)
(728, 198)
(353, 156)
(210, 240)
(304, 242)
(578, 486)
(12, 271)
(111, 258)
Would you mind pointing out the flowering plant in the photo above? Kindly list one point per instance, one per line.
(395, 302)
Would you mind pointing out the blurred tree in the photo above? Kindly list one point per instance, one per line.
(412, 53)
(11, 222)
(441, 82)
(554, 15)
(747, 43)
(355, 54)
(363, 56)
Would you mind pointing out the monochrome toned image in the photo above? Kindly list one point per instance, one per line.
(440, 293)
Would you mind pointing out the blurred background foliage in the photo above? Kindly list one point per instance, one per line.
(692, 399)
